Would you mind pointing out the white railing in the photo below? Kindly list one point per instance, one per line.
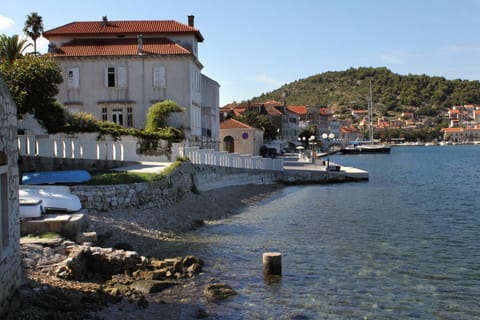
(234, 160)
(87, 147)
(84, 147)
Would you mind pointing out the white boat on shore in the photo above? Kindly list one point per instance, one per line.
(47, 199)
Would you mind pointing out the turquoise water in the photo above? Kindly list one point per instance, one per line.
(402, 246)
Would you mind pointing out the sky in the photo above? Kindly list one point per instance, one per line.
(256, 46)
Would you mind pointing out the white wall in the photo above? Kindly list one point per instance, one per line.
(139, 93)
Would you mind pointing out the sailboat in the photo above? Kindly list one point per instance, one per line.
(367, 146)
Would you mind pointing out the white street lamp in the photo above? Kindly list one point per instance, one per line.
(328, 137)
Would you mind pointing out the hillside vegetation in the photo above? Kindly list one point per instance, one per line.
(392, 93)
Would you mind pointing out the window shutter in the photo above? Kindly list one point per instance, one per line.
(159, 80)
(73, 78)
(105, 77)
(122, 77)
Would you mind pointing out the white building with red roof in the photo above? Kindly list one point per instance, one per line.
(116, 70)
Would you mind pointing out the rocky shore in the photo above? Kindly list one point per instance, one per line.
(117, 278)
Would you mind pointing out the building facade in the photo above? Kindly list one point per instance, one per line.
(116, 70)
(238, 137)
(10, 258)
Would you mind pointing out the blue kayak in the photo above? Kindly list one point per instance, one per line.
(56, 177)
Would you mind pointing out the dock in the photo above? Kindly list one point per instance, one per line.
(298, 171)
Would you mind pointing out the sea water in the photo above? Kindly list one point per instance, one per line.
(404, 245)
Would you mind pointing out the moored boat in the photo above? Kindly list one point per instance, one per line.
(52, 198)
(366, 148)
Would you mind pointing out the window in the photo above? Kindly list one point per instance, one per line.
(73, 78)
(129, 117)
(116, 77)
(110, 77)
(117, 116)
(4, 207)
(104, 114)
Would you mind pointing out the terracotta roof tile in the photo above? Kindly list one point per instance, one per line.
(89, 28)
(125, 46)
(325, 111)
(234, 124)
(298, 109)
(453, 129)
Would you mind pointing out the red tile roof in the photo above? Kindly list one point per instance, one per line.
(124, 46)
(234, 124)
(349, 129)
(146, 27)
(298, 109)
(325, 111)
(452, 129)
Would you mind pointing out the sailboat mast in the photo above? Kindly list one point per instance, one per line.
(370, 115)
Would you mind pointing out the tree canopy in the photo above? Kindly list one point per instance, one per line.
(346, 90)
(259, 121)
(33, 28)
(12, 48)
(33, 83)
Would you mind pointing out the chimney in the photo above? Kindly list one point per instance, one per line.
(104, 21)
(191, 21)
(140, 44)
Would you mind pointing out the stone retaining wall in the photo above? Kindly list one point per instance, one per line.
(184, 179)
(10, 258)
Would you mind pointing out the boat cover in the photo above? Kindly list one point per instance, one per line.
(56, 177)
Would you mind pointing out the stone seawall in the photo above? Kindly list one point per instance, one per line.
(191, 178)
(184, 179)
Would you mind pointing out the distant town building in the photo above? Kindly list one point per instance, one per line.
(238, 137)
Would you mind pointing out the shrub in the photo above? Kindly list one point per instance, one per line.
(83, 122)
(157, 116)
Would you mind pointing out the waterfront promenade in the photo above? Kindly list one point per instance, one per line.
(294, 167)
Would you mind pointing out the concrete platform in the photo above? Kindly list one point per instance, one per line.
(308, 172)
(67, 225)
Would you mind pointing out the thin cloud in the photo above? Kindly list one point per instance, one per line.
(5, 22)
(265, 79)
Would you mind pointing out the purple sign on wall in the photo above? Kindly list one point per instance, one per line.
(245, 136)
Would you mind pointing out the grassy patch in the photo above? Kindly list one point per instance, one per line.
(123, 177)
(46, 235)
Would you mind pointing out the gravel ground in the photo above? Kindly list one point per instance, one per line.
(44, 296)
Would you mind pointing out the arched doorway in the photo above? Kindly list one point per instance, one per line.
(229, 144)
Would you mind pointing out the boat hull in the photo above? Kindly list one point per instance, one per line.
(366, 149)
(56, 177)
(53, 198)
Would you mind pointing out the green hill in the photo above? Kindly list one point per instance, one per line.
(392, 93)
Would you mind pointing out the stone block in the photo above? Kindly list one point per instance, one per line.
(83, 237)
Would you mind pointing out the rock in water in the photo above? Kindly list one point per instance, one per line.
(220, 291)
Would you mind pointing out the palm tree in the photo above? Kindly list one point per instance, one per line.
(12, 48)
(33, 28)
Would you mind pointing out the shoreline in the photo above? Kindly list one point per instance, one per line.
(149, 236)
(141, 229)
